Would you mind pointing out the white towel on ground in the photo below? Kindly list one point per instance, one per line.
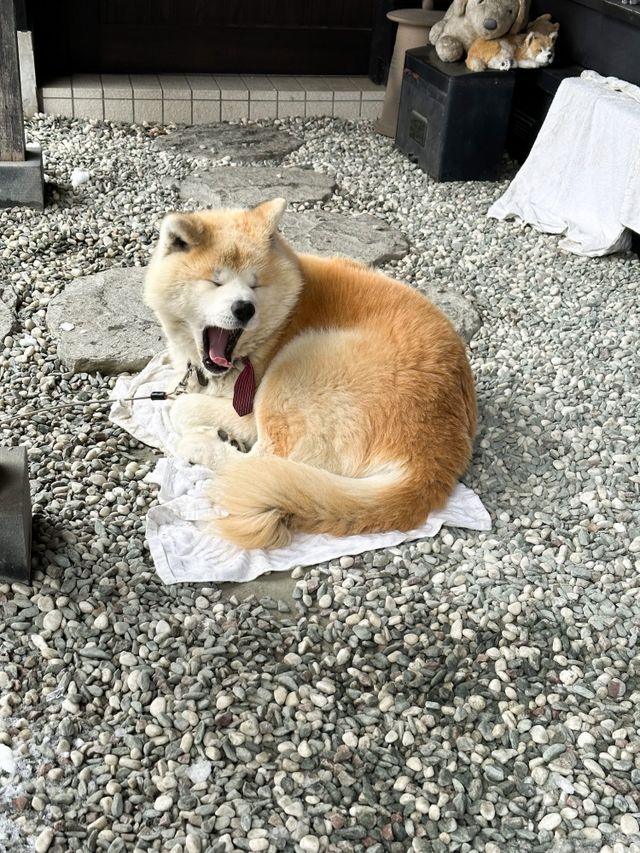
(182, 548)
(582, 177)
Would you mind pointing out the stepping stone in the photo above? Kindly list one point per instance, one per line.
(246, 186)
(460, 311)
(8, 301)
(102, 324)
(240, 143)
(366, 238)
(6, 320)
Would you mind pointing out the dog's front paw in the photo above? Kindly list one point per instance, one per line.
(240, 446)
(202, 448)
(187, 413)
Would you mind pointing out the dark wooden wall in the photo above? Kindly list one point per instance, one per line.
(224, 36)
(603, 35)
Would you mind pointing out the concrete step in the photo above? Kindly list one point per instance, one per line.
(204, 98)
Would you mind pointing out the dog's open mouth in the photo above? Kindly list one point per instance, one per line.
(218, 345)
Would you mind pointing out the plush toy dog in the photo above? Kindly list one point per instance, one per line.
(543, 25)
(468, 20)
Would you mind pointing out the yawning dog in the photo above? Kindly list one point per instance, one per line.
(353, 391)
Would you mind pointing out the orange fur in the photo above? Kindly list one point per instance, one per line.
(366, 409)
(524, 50)
(496, 54)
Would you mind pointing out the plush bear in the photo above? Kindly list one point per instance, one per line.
(468, 20)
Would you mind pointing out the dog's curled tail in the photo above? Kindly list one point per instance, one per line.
(269, 497)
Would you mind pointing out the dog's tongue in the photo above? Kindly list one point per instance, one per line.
(217, 340)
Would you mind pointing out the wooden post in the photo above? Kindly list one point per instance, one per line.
(11, 122)
(15, 514)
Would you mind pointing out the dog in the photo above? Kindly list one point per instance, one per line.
(364, 408)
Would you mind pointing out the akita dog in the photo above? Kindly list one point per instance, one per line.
(364, 408)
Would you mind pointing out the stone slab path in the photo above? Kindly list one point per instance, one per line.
(246, 186)
(366, 238)
(102, 324)
(241, 143)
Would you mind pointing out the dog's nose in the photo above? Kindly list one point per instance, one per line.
(490, 23)
(243, 311)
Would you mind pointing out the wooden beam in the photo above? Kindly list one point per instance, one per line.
(11, 124)
(15, 514)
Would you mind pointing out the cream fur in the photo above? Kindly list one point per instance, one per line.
(365, 408)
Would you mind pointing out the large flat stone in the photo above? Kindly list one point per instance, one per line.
(366, 238)
(7, 317)
(462, 314)
(8, 300)
(241, 143)
(102, 324)
(246, 186)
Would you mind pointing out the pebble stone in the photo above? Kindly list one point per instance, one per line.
(52, 620)
(629, 825)
(550, 822)
(260, 714)
(43, 841)
(163, 803)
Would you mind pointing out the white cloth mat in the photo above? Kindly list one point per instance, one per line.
(182, 548)
(582, 177)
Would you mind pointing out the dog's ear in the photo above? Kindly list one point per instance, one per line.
(270, 212)
(179, 232)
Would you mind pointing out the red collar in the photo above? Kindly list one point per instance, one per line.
(244, 390)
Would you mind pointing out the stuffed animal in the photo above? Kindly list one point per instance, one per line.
(543, 25)
(524, 50)
(468, 20)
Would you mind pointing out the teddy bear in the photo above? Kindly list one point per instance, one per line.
(468, 20)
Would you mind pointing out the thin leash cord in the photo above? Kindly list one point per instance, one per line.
(156, 396)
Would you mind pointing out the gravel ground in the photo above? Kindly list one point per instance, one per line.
(471, 692)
